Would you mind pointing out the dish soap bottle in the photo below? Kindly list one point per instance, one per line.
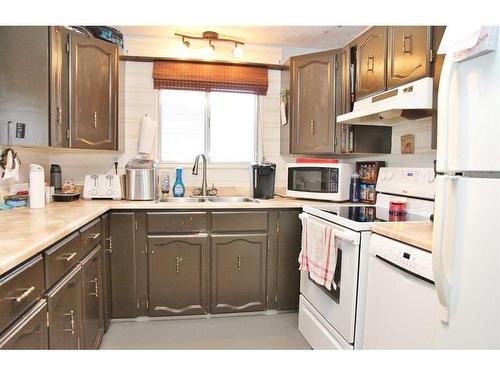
(179, 189)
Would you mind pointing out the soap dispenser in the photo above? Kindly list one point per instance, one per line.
(179, 189)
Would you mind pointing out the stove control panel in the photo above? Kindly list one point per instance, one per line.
(409, 258)
(412, 182)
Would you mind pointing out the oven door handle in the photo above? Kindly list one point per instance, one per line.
(340, 233)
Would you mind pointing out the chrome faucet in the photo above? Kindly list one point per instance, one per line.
(203, 191)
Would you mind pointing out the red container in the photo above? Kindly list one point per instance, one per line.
(397, 207)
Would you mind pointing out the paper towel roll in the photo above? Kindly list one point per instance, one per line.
(37, 186)
(146, 136)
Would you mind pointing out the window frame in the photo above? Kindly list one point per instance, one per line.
(207, 135)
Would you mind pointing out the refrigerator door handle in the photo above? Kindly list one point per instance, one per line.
(443, 111)
(440, 243)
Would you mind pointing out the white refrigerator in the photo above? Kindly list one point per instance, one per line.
(466, 237)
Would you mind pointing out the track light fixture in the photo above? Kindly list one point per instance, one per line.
(209, 51)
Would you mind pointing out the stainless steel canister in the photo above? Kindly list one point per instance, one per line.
(142, 180)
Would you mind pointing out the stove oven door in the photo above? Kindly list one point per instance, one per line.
(337, 307)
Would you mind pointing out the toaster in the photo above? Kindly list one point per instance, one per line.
(102, 186)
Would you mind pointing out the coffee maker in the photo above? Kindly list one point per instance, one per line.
(263, 175)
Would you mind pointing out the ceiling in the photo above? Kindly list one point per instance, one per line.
(321, 37)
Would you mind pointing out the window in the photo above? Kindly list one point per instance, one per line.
(221, 125)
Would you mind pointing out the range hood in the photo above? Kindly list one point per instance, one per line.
(407, 102)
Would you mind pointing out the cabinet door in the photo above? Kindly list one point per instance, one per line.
(345, 96)
(24, 84)
(59, 86)
(93, 326)
(30, 332)
(123, 265)
(64, 302)
(313, 97)
(94, 72)
(178, 273)
(289, 243)
(371, 62)
(408, 54)
(238, 272)
(106, 270)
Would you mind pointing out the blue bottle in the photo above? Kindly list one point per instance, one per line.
(179, 188)
(354, 195)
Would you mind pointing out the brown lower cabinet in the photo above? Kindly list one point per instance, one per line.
(106, 272)
(289, 243)
(222, 261)
(92, 319)
(238, 272)
(124, 302)
(64, 303)
(178, 274)
(30, 332)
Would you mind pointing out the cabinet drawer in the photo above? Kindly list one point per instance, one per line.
(91, 236)
(165, 222)
(239, 221)
(20, 289)
(61, 258)
(30, 332)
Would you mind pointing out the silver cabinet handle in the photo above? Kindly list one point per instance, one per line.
(59, 115)
(25, 294)
(94, 236)
(178, 261)
(312, 127)
(239, 262)
(403, 44)
(96, 290)
(69, 257)
(95, 119)
(71, 328)
(370, 63)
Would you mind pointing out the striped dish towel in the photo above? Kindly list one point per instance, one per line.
(318, 255)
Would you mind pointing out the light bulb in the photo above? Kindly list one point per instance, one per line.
(209, 51)
(237, 51)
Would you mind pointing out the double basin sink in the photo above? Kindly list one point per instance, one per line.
(208, 199)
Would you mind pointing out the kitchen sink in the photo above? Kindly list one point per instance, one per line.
(182, 200)
(208, 199)
(232, 200)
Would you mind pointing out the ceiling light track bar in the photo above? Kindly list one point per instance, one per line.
(211, 36)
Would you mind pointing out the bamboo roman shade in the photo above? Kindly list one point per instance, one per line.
(210, 77)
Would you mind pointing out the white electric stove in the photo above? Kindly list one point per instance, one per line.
(335, 320)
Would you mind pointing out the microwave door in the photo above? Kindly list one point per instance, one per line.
(310, 179)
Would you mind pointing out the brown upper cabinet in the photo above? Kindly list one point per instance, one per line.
(94, 85)
(24, 85)
(371, 62)
(390, 56)
(59, 88)
(314, 91)
(409, 54)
